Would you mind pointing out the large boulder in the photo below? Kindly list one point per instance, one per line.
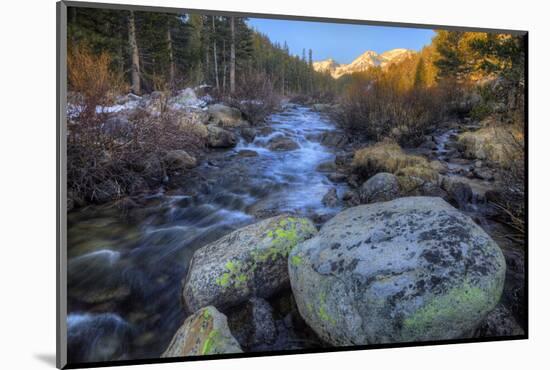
(225, 116)
(249, 262)
(412, 269)
(379, 188)
(220, 138)
(179, 160)
(204, 333)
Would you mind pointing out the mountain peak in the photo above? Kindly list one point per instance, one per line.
(363, 62)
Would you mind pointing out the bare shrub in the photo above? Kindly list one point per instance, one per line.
(255, 97)
(511, 175)
(106, 162)
(376, 111)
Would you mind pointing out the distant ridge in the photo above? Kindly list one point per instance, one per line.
(362, 63)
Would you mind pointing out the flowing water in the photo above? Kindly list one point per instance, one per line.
(126, 266)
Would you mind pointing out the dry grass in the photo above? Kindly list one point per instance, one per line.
(389, 157)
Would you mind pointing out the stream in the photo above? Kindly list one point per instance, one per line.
(125, 267)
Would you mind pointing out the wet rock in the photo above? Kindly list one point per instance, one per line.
(351, 198)
(334, 139)
(337, 177)
(428, 144)
(225, 116)
(179, 160)
(220, 138)
(247, 153)
(204, 333)
(249, 262)
(327, 166)
(499, 323)
(264, 130)
(253, 324)
(412, 269)
(484, 174)
(282, 143)
(379, 188)
(330, 199)
(343, 159)
(248, 134)
(460, 192)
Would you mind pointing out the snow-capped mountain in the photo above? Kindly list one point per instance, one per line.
(329, 65)
(362, 63)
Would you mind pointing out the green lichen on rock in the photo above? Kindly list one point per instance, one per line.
(296, 260)
(209, 345)
(450, 308)
(206, 332)
(322, 310)
(234, 275)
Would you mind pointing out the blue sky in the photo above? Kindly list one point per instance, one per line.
(342, 42)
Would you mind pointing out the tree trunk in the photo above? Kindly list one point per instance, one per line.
(224, 68)
(171, 57)
(136, 85)
(232, 58)
(215, 53)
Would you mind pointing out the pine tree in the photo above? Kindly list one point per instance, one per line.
(420, 76)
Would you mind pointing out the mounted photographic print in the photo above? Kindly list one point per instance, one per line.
(235, 185)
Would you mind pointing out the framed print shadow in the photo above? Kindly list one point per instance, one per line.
(237, 185)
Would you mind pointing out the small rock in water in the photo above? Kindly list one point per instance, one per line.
(179, 160)
(337, 177)
(326, 166)
(330, 199)
(247, 153)
(248, 134)
(282, 143)
(220, 138)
